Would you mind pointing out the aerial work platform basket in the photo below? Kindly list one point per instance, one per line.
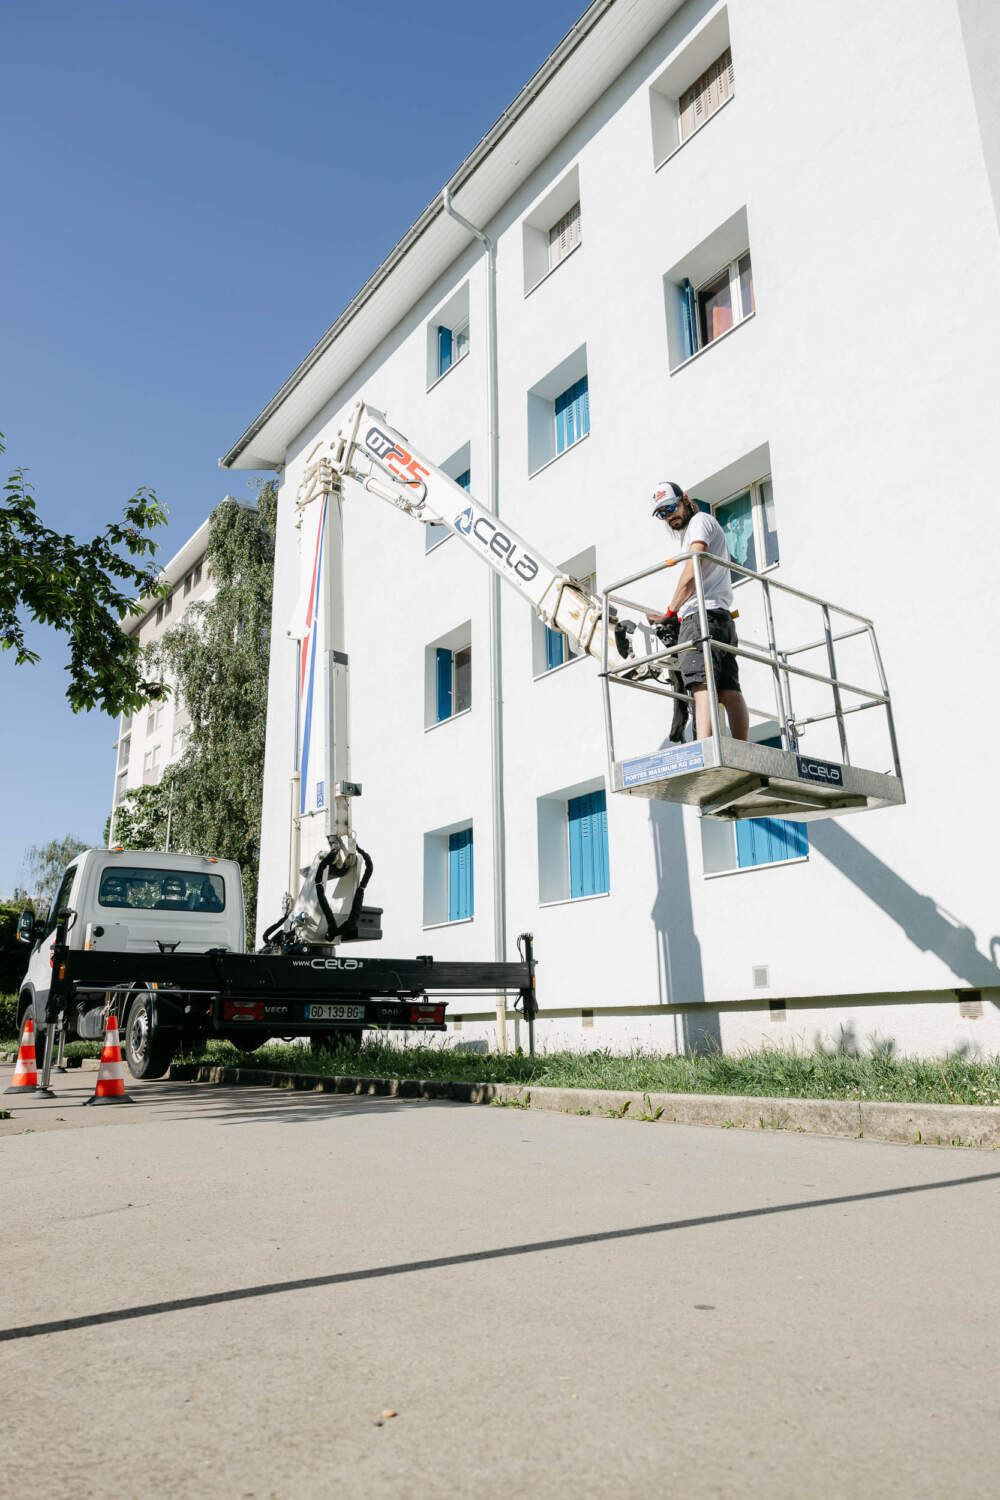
(799, 665)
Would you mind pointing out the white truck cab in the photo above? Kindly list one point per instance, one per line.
(132, 901)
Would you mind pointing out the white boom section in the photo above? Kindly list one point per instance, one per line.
(387, 465)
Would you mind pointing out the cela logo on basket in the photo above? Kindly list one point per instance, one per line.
(820, 770)
(489, 536)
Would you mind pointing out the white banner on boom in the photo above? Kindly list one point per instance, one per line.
(311, 685)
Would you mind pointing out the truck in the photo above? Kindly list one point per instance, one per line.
(170, 954)
(159, 940)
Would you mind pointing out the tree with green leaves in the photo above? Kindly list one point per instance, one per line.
(81, 589)
(47, 863)
(217, 658)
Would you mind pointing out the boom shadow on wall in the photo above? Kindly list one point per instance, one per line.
(927, 925)
(680, 976)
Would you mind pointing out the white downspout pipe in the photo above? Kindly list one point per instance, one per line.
(496, 699)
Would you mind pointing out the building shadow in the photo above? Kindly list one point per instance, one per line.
(680, 978)
(927, 925)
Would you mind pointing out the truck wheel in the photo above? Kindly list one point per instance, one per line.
(147, 1051)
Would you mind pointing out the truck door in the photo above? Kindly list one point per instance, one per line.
(40, 964)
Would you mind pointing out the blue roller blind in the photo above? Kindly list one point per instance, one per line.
(572, 415)
(555, 649)
(444, 350)
(460, 887)
(444, 679)
(588, 844)
(762, 841)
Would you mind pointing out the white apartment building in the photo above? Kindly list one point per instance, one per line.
(750, 247)
(148, 741)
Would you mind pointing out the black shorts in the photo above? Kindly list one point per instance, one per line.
(692, 663)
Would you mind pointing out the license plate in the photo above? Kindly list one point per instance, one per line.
(334, 1013)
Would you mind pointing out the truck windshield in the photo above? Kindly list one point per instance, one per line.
(161, 890)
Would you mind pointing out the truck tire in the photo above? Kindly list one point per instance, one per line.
(148, 1051)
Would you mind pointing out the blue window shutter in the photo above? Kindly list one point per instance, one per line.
(762, 841)
(588, 844)
(444, 676)
(444, 350)
(460, 881)
(555, 645)
(465, 480)
(572, 409)
(689, 323)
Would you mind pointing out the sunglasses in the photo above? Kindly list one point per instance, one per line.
(667, 510)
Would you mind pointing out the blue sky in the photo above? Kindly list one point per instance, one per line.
(171, 250)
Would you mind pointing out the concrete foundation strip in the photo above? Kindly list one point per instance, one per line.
(927, 1124)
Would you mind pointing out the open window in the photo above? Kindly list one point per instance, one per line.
(459, 468)
(710, 292)
(550, 648)
(448, 676)
(741, 497)
(448, 335)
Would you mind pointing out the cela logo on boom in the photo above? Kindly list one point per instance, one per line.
(492, 539)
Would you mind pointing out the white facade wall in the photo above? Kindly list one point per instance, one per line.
(868, 378)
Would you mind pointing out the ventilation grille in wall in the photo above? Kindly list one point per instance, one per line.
(761, 979)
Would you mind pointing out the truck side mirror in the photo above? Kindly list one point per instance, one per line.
(26, 927)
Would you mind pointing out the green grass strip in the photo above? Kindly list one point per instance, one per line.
(768, 1072)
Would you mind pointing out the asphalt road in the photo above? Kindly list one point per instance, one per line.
(217, 1292)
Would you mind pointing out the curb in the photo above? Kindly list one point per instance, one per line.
(913, 1124)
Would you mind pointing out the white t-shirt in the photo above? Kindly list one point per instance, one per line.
(717, 579)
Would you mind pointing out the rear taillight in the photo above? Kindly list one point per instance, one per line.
(427, 1015)
(237, 1010)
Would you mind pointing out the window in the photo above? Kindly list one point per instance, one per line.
(161, 890)
(696, 82)
(124, 751)
(62, 896)
(457, 468)
(558, 410)
(193, 579)
(151, 765)
(460, 876)
(448, 676)
(564, 235)
(710, 291)
(552, 230)
(448, 335)
(723, 301)
(707, 94)
(573, 843)
(587, 818)
(550, 648)
(449, 875)
(121, 786)
(453, 345)
(751, 842)
(572, 414)
(748, 521)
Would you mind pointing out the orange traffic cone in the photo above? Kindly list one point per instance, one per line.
(110, 1086)
(26, 1071)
